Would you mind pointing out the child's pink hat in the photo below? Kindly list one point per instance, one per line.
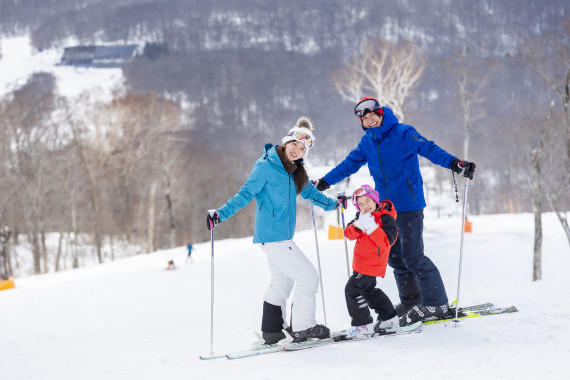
(365, 190)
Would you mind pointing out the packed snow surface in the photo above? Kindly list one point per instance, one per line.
(133, 319)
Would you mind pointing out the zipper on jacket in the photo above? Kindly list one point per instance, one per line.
(288, 203)
(382, 169)
(317, 201)
(410, 187)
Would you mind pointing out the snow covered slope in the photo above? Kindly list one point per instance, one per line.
(132, 319)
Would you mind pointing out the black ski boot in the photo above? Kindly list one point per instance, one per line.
(315, 332)
(424, 313)
(272, 338)
(402, 309)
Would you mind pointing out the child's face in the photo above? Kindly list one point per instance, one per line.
(366, 204)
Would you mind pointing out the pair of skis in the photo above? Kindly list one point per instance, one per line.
(482, 310)
(292, 346)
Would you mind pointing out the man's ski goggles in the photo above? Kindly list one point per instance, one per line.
(367, 106)
(304, 137)
(360, 192)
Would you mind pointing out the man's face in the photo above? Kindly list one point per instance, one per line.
(371, 120)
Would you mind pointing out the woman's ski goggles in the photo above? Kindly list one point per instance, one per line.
(304, 137)
(367, 106)
(360, 192)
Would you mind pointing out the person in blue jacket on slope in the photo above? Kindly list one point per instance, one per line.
(278, 176)
(391, 151)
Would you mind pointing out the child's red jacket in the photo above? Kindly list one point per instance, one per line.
(371, 251)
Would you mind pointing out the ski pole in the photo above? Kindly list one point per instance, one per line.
(461, 249)
(339, 194)
(319, 263)
(212, 290)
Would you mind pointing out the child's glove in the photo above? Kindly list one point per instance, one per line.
(367, 222)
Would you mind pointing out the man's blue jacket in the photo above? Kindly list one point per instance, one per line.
(391, 151)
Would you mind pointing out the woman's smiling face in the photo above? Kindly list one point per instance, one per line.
(295, 150)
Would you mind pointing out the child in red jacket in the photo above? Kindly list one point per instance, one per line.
(375, 231)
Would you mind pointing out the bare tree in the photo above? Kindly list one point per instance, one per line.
(539, 153)
(554, 190)
(550, 58)
(472, 76)
(148, 125)
(387, 70)
(120, 145)
(536, 152)
(32, 136)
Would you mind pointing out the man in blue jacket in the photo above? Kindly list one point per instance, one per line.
(391, 151)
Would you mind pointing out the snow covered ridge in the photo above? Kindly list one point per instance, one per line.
(19, 61)
(144, 322)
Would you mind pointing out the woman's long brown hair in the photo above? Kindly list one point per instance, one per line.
(300, 178)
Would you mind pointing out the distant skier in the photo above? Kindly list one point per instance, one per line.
(391, 151)
(189, 249)
(276, 180)
(375, 231)
(170, 265)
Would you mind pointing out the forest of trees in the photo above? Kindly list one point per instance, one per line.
(217, 80)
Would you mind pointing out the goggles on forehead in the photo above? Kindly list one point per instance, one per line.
(303, 137)
(358, 193)
(367, 106)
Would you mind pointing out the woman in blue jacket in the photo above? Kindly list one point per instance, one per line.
(277, 178)
(391, 151)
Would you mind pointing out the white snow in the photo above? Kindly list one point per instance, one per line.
(133, 319)
(19, 61)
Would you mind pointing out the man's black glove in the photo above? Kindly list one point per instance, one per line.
(321, 184)
(213, 219)
(463, 167)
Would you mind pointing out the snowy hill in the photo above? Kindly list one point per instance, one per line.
(132, 319)
(19, 61)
